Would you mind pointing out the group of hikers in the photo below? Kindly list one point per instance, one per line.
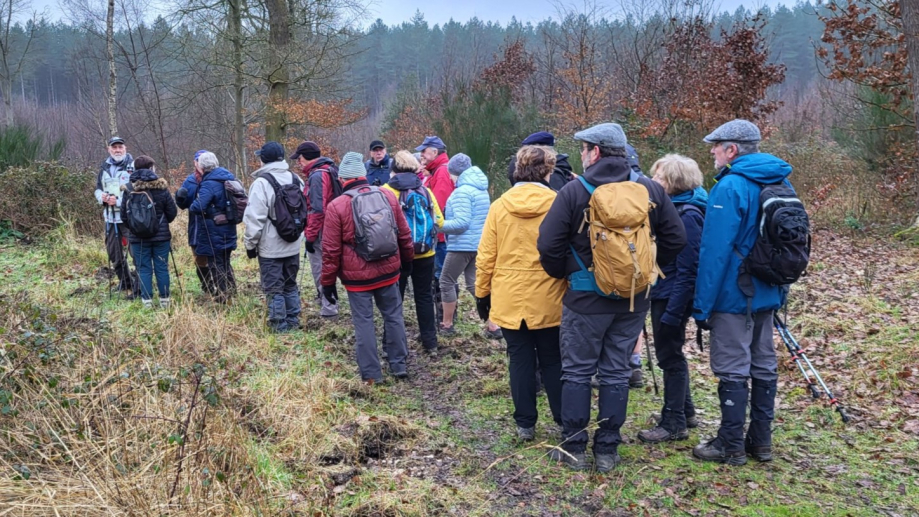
(563, 267)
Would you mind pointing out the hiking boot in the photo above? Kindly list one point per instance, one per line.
(447, 331)
(148, 304)
(526, 434)
(330, 317)
(714, 450)
(574, 460)
(400, 375)
(692, 422)
(760, 453)
(496, 334)
(606, 462)
(164, 303)
(431, 352)
(637, 380)
(660, 435)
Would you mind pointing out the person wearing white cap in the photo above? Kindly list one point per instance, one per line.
(114, 172)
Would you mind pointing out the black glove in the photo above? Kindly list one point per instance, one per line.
(703, 324)
(309, 247)
(181, 196)
(407, 268)
(252, 253)
(483, 306)
(669, 334)
(330, 294)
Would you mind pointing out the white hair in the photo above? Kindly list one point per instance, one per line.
(208, 162)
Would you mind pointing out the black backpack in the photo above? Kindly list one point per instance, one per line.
(139, 214)
(783, 243)
(289, 207)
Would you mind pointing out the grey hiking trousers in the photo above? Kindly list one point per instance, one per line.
(326, 308)
(743, 347)
(389, 303)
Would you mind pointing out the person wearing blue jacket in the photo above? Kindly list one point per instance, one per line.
(185, 196)
(464, 220)
(671, 298)
(216, 238)
(741, 324)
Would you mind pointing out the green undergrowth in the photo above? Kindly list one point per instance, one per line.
(286, 428)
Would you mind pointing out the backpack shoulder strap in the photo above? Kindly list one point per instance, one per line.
(267, 176)
(633, 176)
(686, 207)
(587, 185)
(295, 180)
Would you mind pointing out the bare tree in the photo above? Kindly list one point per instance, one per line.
(15, 45)
(112, 77)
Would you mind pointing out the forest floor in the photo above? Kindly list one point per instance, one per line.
(110, 409)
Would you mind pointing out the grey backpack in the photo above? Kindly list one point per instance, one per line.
(374, 224)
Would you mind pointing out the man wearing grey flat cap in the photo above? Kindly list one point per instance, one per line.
(598, 332)
(734, 305)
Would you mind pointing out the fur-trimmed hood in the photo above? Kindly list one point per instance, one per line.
(145, 179)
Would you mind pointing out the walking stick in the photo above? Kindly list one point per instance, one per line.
(648, 345)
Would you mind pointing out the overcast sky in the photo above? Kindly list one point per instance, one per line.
(394, 12)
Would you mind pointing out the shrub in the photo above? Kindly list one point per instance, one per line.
(20, 146)
(38, 198)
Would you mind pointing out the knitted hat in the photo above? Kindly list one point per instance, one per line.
(458, 164)
(352, 166)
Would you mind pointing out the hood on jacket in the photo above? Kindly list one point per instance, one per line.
(221, 174)
(321, 162)
(405, 181)
(561, 163)
(278, 166)
(474, 177)
(609, 169)
(696, 197)
(527, 200)
(441, 160)
(143, 175)
(762, 168)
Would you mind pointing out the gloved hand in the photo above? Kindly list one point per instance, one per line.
(407, 268)
(252, 253)
(483, 306)
(310, 248)
(181, 196)
(669, 333)
(703, 324)
(330, 294)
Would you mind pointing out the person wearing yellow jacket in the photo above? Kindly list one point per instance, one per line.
(424, 219)
(514, 291)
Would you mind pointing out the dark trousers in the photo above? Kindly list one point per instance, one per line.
(678, 404)
(279, 282)
(524, 348)
(115, 249)
(223, 281)
(422, 277)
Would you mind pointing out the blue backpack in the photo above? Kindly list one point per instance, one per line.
(419, 212)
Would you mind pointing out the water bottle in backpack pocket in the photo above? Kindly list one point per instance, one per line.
(419, 213)
(235, 205)
(374, 224)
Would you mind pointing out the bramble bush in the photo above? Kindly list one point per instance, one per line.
(38, 198)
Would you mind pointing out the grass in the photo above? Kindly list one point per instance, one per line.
(107, 408)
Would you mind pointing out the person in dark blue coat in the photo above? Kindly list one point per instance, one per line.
(151, 254)
(742, 346)
(379, 164)
(216, 238)
(671, 298)
(185, 196)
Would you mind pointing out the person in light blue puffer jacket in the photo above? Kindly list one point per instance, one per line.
(464, 220)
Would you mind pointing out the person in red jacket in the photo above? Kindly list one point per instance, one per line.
(434, 159)
(367, 282)
(321, 176)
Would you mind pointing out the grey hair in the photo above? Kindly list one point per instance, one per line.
(742, 147)
(208, 162)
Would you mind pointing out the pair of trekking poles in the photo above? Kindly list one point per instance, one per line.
(815, 383)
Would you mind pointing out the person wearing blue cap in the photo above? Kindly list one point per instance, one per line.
(598, 330)
(561, 175)
(740, 321)
(184, 197)
(114, 172)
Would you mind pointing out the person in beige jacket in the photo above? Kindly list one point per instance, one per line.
(278, 259)
(514, 291)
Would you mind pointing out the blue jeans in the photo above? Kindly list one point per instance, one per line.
(150, 258)
(440, 255)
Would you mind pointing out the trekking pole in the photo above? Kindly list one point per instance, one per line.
(175, 267)
(648, 345)
(800, 359)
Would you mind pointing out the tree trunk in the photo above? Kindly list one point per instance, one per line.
(112, 83)
(239, 124)
(909, 12)
(279, 78)
(7, 86)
